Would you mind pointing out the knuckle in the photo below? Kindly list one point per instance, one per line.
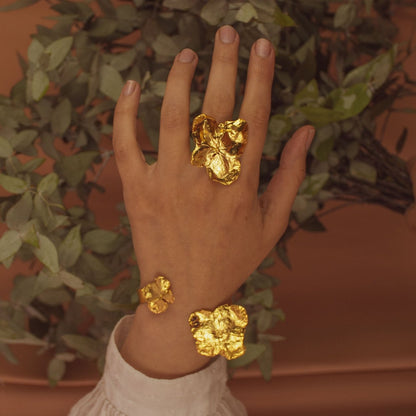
(259, 117)
(224, 58)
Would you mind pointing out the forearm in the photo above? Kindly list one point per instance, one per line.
(162, 346)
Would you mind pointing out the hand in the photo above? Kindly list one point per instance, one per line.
(410, 214)
(205, 237)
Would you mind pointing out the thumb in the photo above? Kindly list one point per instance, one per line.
(278, 198)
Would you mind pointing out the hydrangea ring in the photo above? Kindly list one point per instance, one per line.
(218, 147)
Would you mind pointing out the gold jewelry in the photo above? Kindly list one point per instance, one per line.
(220, 332)
(219, 147)
(157, 295)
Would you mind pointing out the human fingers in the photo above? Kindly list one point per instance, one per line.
(174, 119)
(220, 94)
(255, 108)
(277, 200)
(129, 157)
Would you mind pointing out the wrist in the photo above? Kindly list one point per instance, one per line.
(162, 346)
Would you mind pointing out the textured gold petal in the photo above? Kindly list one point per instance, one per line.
(220, 331)
(226, 142)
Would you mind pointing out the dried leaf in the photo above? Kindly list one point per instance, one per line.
(213, 11)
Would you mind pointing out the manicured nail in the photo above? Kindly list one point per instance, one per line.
(263, 48)
(129, 88)
(310, 134)
(186, 56)
(227, 34)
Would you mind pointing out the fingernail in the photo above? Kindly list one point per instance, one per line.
(310, 134)
(227, 34)
(263, 48)
(129, 88)
(186, 56)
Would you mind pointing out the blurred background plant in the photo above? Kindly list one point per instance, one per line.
(337, 67)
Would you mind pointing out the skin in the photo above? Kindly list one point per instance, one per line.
(205, 237)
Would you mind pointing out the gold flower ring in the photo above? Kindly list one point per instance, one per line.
(218, 147)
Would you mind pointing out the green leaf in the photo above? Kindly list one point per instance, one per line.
(362, 170)
(55, 297)
(11, 333)
(124, 60)
(264, 297)
(56, 371)
(165, 45)
(111, 82)
(87, 346)
(18, 4)
(32, 164)
(313, 183)
(71, 247)
(48, 184)
(58, 50)
(304, 207)
(102, 241)
(282, 253)
(368, 5)
(7, 353)
(351, 101)
(47, 253)
(19, 213)
(29, 234)
(268, 6)
(74, 167)
(10, 243)
(265, 361)
(23, 139)
(283, 19)
(323, 143)
(320, 116)
(103, 27)
(245, 13)
(345, 15)
(279, 127)
(309, 93)
(40, 84)
(61, 117)
(375, 72)
(45, 281)
(12, 184)
(264, 320)
(253, 351)
(6, 150)
(213, 11)
(179, 4)
(71, 280)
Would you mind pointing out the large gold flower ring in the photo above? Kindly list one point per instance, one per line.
(218, 147)
(220, 332)
(157, 295)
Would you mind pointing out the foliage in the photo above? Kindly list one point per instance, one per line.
(337, 68)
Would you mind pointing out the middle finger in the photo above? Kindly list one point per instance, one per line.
(220, 94)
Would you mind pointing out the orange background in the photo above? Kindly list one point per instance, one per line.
(350, 298)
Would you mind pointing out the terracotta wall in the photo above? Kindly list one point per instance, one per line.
(350, 299)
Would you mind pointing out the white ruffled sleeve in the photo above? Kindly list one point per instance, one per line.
(124, 391)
